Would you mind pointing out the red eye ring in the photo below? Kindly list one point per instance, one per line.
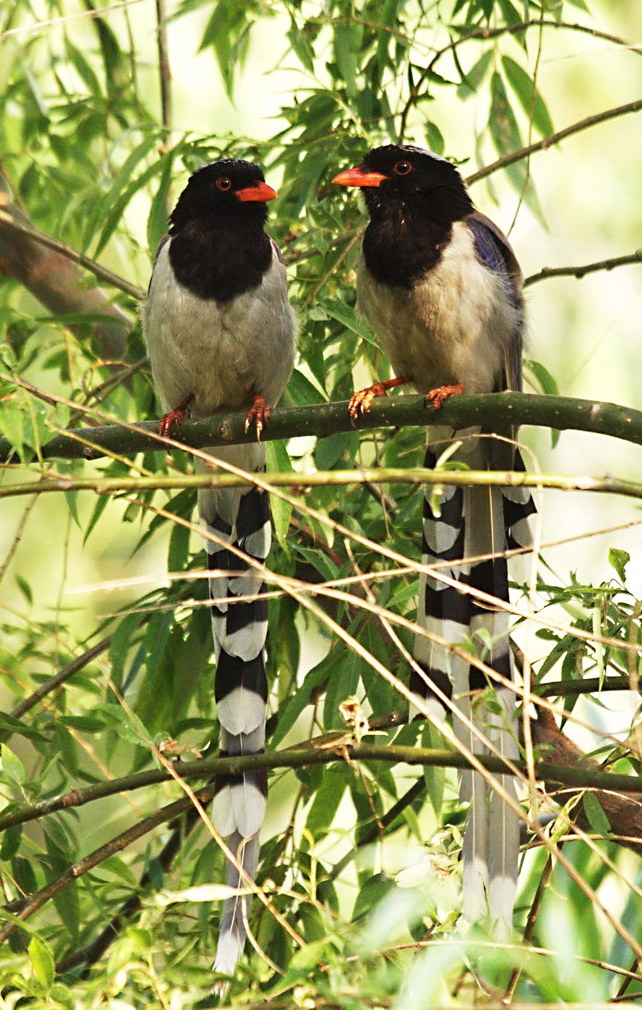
(402, 168)
(223, 183)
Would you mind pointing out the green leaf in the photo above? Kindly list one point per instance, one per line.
(326, 801)
(619, 559)
(502, 122)
(547, 382)
(595, 814)
(278, 461)
(372, 892)
(159, 211)
(531, 100)
(473, 79)
(42, 962)
(12, 766)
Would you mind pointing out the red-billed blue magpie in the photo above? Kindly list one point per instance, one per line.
(440, 286)
(220, 334)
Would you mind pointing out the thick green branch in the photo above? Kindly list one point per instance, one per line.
(323, 419)
(308, 755)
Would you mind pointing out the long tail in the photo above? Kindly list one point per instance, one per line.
(466, 523)
(241, 519)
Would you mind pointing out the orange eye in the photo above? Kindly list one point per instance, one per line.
(402, 168)
(223, 183)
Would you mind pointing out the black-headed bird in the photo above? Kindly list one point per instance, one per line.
(441, 288)
(221, 334)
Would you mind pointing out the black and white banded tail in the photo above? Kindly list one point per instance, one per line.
(241, 521)
(467, 523)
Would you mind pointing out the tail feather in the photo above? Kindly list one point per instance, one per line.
(233, 927)
(241, 520)
(472, 522)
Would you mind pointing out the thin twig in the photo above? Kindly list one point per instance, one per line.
(616, 261)
(99, 855)
(60, 678)
(418, 476)
(164, 72)
(95, 268)
(554, 138)
(484, 34)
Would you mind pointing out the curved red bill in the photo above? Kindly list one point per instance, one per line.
(260, 192)
(358, 177)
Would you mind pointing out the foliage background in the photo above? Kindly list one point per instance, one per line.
(96, 142)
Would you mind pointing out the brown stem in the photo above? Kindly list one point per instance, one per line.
(616, 261)
(102, 853)
(49, 270)
(554, 138)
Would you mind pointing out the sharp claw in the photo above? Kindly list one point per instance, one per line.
(437, 396)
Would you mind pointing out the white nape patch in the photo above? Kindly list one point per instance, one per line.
(242, 712)
(246, 643)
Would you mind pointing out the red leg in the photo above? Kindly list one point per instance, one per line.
(258, 414)
(441, 393)
(175, 416)
(360, 401)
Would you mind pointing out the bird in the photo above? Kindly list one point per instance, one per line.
(220, 334)
(441, 288)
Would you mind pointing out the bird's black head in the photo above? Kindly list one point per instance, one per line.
(227, 189)
(409, 181)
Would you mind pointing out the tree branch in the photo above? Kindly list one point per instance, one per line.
(335, 747)
(554, 138)
(48, 269)
(102, 853)
(484, 34)
(498, 409)
(616, 261)
(332, 478)
(67, 671)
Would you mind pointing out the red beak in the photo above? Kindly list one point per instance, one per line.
(358, 177)
(260, 192)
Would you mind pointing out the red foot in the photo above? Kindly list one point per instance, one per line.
(360, 401)
(175, 416)
(258, 414)
(437, 396)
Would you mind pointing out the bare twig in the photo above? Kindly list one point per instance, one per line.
(616, 261)
(554, 138)
(67, 671)
(164, 72)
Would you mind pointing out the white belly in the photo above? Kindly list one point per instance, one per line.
(455, 326)
(218, 352)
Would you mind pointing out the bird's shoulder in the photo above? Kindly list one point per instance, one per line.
(493, 248)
